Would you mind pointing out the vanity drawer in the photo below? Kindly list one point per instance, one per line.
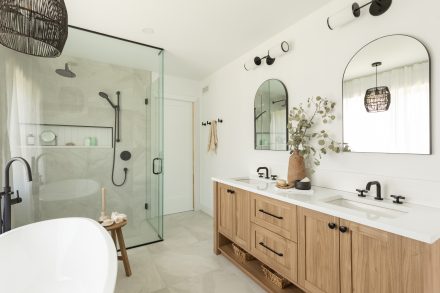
(275, 251)
(275, 216)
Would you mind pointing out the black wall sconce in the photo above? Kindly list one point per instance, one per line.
(272, 54)
(377, 7)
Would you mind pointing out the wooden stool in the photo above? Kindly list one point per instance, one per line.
(116, 232)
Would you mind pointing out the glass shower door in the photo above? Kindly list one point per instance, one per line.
(155, 112)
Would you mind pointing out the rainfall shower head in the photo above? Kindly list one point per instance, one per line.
(66, 72)
(105, 96)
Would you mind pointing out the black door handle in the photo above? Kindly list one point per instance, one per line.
(343, 229)
(270, 249)
(332, 225)
(269, 214)
(154, 166)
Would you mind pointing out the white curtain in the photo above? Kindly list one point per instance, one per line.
(278, 127)
(16, 94)
(404, 128)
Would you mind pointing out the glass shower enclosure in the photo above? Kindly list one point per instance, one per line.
(89, 119)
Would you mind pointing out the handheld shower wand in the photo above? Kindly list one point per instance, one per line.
(116, 137)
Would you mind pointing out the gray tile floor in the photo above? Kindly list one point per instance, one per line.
(184, 262)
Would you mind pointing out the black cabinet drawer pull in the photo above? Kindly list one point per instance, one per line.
(272, 215)
(270, 249)
(230, 191)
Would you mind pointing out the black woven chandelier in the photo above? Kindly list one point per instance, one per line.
(34, 27)
(377, 99)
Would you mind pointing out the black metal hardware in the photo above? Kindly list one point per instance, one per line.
(378, 189)
(209, 123)
(332, 225)
(269, 214)
(362, 192)
(343, 229)
(397, 199)
(16, 200)
(265, 169)
(273, 177)
(270, 249)
(5, 222)
(146, 206)
(230, 191)
(154, 165)
(260, 175)
(117, 38)
(146, 101)
(125, 155)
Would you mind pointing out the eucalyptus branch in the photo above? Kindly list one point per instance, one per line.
(301, 124)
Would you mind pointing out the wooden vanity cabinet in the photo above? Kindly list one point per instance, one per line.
(318, 268)
(233, 215)
(337, 255)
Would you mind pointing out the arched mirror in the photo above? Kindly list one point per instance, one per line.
(270, 116)
(386, 97)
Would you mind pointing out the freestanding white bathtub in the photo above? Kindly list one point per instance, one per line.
(69, 255)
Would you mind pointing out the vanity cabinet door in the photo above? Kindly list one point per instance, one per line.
(376, 261)
(241, 230)
(318, 255)
(225, 210)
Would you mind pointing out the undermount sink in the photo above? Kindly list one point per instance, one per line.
(249, 181)
(260, 184)
(369, 208)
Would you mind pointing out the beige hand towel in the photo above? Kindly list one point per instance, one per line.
(213, 140)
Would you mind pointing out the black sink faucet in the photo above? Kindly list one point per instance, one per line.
(5, 224)
(378, 189)
(261, 174)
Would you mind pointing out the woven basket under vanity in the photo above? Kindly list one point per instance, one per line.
(242, 255)
(276, 279)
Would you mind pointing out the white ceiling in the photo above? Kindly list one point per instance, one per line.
(199, 36)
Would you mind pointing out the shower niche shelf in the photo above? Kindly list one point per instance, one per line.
(67, 136)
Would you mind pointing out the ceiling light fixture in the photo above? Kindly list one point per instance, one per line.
(34, 27)
(346, 15)
(377, 99)
(272, 54)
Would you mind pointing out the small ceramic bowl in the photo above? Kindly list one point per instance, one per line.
(303, 185)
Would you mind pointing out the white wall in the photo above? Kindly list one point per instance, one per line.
(315, 67)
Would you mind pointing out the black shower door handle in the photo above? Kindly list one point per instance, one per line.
(154, 166)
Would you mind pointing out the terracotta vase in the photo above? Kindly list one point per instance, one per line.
(297, 167)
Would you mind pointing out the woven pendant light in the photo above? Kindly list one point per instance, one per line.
(34, 27)
(377, 99)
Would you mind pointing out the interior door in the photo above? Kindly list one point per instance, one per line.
(318, 252)
(179, 163)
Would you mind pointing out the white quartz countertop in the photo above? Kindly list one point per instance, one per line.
(417, 222)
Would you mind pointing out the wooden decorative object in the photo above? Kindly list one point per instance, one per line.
(297, 168)
(241, 254)
(276, 279)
